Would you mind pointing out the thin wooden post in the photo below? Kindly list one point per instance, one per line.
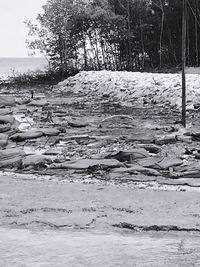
(184, 27)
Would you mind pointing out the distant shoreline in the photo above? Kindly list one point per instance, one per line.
(15, 66)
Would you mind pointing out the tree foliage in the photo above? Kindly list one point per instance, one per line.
(115, 34)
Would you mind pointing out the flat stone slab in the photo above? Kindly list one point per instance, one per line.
(38, 103)
(11, 157)
(49, 131)
(142, 138)
(160, 162)
(166, 139)
(3, 140)
(5, 111)
(7, 119)
(77, 123)
(133, 154)
(33, 160)
(84, 164)
(138, 169)
(7, 101)
(19, 137)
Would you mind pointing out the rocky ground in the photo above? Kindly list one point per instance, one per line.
(94, 154)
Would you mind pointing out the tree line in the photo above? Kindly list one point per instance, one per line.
(115, 34)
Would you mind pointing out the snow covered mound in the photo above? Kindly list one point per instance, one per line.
(134, 87)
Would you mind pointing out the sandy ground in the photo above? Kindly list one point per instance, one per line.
(52, 223)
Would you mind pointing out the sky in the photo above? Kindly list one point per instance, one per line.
(13, 31)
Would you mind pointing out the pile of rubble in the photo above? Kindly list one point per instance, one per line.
(134, 87)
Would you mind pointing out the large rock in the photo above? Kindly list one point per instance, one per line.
(11, 157)
(7, 101)
(84, 164)
(32, 134)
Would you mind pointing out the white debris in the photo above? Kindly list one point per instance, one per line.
(134, 87)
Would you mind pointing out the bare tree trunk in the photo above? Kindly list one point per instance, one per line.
(184, 29)
(196, 36)
(161, 32)
(85, 54)
(142, 43)
(97, 50)
(188, 41)
(93, 53)
(129, 35)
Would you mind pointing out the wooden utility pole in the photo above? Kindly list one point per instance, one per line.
(184, 27)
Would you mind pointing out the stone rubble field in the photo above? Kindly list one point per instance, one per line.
(116, 126)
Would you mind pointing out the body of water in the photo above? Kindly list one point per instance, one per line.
(77, 249)
(11, 66)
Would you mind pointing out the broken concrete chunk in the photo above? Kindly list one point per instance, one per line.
(38, 103)
(165, 139)
(169, 162)
(23, 101)
(3, 140)
(195, 134)
(6, 122)
(19, 137)
(160, 162)
(129, 156)
(142, 138)
(151, 148)
(33, 160)
(186, 174)
(11, 157)
(77, 123)
(150, 162)
(49, 131)
(7, 101)
(184, 139)
(84, 164)
(4, 127)
(52, 152)
(146, 171)
(5, 111)
(138, 169)
(7, 119)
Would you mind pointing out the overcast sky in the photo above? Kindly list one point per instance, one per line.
(13, 31)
